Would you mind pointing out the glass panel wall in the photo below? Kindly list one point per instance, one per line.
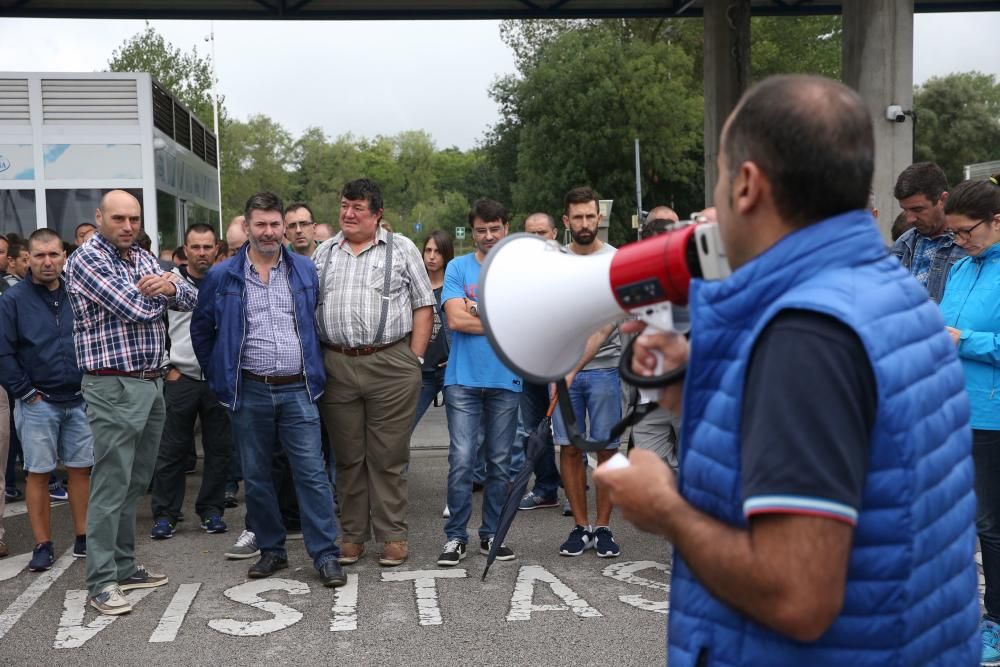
(17, 212)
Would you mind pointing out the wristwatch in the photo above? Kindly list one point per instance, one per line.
(474, 309)
(421, 360)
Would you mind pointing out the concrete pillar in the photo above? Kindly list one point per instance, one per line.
(878, 63)
(727, 73)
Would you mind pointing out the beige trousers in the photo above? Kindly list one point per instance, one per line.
(368, 409)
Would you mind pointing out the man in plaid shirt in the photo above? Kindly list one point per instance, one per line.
(119, 296)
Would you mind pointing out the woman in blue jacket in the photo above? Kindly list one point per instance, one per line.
(971, 308)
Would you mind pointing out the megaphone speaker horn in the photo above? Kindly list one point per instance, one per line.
(539, 304)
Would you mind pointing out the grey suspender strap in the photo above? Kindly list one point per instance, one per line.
(385, 290)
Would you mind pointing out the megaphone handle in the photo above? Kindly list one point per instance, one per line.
(652, 395)
(647, 382)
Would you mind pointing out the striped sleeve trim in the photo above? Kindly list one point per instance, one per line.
(805, 505)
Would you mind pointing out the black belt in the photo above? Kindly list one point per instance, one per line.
(360, 351)
(275, 379)
(154, 374)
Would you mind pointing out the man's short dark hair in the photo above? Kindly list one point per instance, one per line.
(921, 178)
(42, 235)
(14, 248)
(201, 228)
(364, 188)
(179, 254)
(581, 195)
(813, 139)
(81, 225)
(142, 238)
(296, 206)
(488, 210)
(263, 201)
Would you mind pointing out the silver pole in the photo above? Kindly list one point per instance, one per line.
(215, 125)
(638, 189)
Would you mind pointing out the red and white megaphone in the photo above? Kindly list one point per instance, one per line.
(539, 303)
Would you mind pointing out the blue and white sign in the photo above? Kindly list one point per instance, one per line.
(16, 162)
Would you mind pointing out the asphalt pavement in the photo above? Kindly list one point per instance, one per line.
(540, 609)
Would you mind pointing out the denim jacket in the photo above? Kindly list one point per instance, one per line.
(944, 258)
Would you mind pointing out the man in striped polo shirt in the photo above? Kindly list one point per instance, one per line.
(119, 295)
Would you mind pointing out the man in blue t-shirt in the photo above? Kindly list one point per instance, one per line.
(477, 388)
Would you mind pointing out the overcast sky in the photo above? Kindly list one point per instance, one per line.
(369, 78)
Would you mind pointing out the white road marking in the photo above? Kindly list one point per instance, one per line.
(249, 594)
(20, 507)
(170, 623)
(345, 606)
(521, 605)
(626, 572)
(72, 633)
(425, 589)
(11, 566)
(30, 596)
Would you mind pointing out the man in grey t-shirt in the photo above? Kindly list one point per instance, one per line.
(595, 391)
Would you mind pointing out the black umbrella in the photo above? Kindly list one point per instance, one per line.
(533, 449)
(535, 446)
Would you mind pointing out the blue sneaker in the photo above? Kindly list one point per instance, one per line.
(579, 540)
(42, 557)
(163, 529)
(605, 544)
(214, 524)
(533, 501)
(991, 643)
(57, 493)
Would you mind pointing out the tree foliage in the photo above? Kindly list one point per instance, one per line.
(186, 74)
(586, 89)
(958, 121)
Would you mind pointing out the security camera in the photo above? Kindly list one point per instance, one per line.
(895, 112)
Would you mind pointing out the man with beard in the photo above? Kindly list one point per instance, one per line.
(476, 385)
(254, 334)
(927, 251)
(594, 390)
(187, 398)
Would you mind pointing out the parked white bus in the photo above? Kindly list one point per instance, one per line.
(66, 139)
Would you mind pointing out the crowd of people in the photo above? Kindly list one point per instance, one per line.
(825, 451)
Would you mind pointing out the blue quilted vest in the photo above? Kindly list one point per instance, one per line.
(911, 596)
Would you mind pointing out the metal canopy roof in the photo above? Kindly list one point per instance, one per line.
(425, 9)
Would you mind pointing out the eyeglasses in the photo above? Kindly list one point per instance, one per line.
(964, 234)
(296, 225)
(488, 231)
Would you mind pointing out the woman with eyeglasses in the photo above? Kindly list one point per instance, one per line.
(971, 308)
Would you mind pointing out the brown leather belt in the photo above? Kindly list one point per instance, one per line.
(275, 379)
(360, 351)
(155, 374)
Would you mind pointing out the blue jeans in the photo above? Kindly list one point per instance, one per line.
(469, 410)
(597, 403)
(431, 382)
(270, 417)
(534, 402)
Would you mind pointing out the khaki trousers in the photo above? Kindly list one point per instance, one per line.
(368, 408)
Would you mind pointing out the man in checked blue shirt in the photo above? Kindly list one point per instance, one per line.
(254, 333)
(119, 295)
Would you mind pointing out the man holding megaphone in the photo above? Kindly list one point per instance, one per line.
(824, 513)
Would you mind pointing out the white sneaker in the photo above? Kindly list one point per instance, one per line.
(111, 602)
(245, 547)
